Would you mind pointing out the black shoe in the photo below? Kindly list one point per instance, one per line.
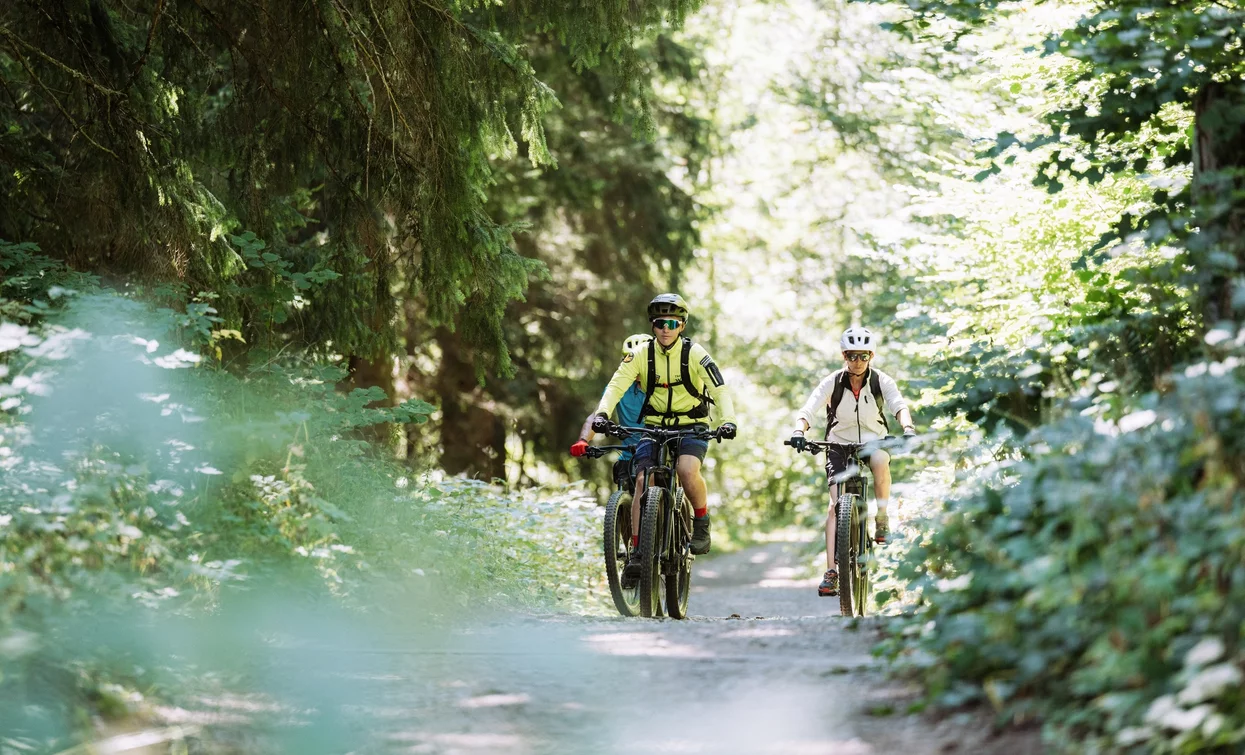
(700, 535)
(631, 571)
(829, 586)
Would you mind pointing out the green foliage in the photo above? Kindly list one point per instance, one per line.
(1156, 89)
(1087, 585)
(611, 226)
(136, 473)
(357, 140)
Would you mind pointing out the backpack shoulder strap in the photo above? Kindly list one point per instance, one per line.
(875, 387)
(650, 384)
(685, 373)
(836, 395)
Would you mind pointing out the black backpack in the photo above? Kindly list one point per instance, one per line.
(840, 385)
(700, 411)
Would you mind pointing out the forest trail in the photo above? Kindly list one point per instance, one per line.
(763, 666)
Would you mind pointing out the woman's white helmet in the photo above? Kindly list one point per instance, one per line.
(858, 339)
(634, 342)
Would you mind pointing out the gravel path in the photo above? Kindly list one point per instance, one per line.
(764, 666)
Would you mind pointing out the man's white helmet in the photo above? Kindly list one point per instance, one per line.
(858, 339)
(634, 342)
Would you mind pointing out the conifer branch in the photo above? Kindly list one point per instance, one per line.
(78, 129)
(151, 36)
(284, 102)
(74, 72)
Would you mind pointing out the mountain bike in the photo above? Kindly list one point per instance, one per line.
(854, 529)
(665, 523)
(616, 533)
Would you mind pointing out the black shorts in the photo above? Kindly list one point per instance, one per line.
(623, 473)
(836, 458)
(646, 450)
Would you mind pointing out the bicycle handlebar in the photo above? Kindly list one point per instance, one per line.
(815, 447)
(596, 452)
(662, 434)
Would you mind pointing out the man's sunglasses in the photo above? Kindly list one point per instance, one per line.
(863, 357)
(667, 324)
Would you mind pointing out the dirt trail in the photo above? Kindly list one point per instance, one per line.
(787, 676)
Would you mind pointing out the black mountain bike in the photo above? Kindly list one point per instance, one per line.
(617, 533)
(665, 524)
(853, 537)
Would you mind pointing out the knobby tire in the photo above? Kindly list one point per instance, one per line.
(650, 541)
(844, 535)
(617, 540)
(679, 578)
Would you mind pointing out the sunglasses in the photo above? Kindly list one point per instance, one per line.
(862, 357)
(667, 324)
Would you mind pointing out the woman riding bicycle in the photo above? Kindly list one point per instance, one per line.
(680, 380)
(856, 399)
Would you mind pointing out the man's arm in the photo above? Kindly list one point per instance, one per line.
(715, 384)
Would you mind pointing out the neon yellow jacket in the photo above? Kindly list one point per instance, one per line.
(705, 375)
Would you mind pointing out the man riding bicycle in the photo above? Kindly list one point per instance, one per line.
(680, 380)
(627, 414)
(856, 399)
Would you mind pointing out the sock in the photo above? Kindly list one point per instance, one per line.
(701, 513)
(635, 541)
(882, 504)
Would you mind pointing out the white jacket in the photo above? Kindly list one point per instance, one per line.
(857, 420)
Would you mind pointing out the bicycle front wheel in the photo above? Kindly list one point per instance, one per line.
(679, 575)
(863, 562)
(652, 586)
(846, 546)
(617, 547)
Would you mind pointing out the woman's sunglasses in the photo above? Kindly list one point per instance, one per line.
(864, 357)
(667, 324)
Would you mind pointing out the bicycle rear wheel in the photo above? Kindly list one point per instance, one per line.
(652, 587)
(864, 564)
(846, 546)
(617, 547)
(679, 576)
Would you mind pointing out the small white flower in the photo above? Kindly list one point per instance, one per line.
(177, 360)
(1137, 420)
(1166, 713)
(1209, 682)
(959, 583)
(1207, 651)
(14, 336)
(1218, 335)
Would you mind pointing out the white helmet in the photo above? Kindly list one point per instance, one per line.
(634, 342)
(858, 339)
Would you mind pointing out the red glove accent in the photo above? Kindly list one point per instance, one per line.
(579, 448)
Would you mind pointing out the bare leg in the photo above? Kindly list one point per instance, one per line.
(693, 484)
(831, 525)
(880, 463)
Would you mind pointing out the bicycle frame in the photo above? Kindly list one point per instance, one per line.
(666, 522)
(853, 533)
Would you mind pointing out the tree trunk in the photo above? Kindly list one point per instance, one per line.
(473, 438)
(1218, 186)
(366, 373)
